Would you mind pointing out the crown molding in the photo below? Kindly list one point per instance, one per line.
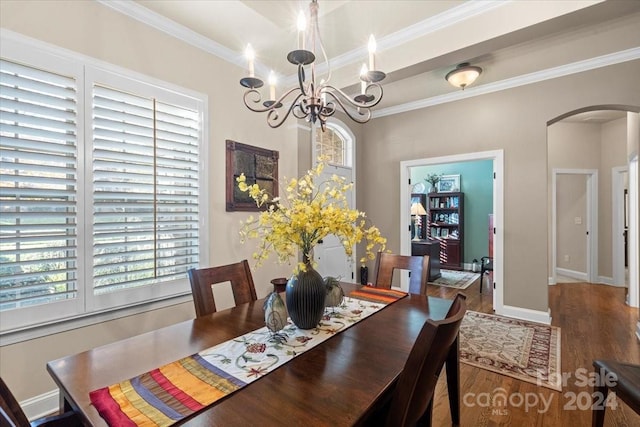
(148, 17)
(435, 23)
(513, 82)
(445, 19)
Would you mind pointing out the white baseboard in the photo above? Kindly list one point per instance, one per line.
(609, 281)
(526, 314)
(605, 280)
(41, 405)
(578, 275)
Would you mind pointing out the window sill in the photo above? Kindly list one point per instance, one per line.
(38, 331)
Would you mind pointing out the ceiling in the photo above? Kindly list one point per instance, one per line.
(418, 41)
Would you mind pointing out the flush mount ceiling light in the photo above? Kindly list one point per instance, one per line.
(313, 98)
(463, 75)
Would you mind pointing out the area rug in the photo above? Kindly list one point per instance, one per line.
(523, 350)
(456, 279)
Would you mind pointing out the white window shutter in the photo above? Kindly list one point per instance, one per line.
(38, 186)
(145, 190)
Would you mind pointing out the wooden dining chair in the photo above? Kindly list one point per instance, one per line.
(418, 267)
(11, 413)
(621, 378)
(412, 400)
(203, 279)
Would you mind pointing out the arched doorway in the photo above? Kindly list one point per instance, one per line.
(600, 142)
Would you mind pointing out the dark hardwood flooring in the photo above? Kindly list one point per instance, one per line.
(595, 324)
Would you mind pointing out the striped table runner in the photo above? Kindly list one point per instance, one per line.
(171, 392)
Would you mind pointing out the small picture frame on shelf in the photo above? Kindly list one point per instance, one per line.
(449, 184)
(444, 233)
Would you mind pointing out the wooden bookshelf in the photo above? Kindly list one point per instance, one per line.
(445, 223)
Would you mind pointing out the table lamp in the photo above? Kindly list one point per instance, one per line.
(416, 211)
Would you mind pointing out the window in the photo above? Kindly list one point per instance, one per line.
(100, 188)
(335, 145)
(145, 190)
(38, 186)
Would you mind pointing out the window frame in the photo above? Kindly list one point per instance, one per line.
(348, 139)
(23, 323)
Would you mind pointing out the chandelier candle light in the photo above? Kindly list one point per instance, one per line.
(310, 100)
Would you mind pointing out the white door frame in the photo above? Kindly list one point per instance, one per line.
(498, 212)
(634, 238)
(591, 221)
(617, 217)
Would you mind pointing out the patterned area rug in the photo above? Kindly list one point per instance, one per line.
(523, 350)
(456, 279)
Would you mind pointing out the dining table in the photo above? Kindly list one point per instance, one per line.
(340, 382)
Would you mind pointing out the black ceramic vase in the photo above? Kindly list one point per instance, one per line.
(305, 294)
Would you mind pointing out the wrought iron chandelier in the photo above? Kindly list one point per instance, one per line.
(311, 100)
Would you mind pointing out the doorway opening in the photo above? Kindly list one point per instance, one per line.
(605, 139)
(574, 224)
(496, 157)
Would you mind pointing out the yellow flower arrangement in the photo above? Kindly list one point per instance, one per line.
(308, 213)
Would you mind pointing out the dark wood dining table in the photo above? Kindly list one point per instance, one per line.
(340, 382)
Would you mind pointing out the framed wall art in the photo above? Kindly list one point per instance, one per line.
(259, 165)
(449, 183)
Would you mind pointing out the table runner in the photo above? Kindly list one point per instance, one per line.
(174, 391)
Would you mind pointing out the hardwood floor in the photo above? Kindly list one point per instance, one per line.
(595, 324)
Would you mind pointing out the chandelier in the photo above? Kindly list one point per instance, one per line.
(312, 100)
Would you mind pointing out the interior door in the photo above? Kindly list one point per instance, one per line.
(572, 231)
(329, 254)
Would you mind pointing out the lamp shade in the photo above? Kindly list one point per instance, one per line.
(463, 75)
(417, 209)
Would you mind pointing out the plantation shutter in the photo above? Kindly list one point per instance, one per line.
(38, 186)
(145, 190)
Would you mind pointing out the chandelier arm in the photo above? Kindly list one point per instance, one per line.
(329, 109)
(346, 110)
(303, 108)
(273, 117)
(352, 102)
(301, 79)
(251, 92)
(256, 100)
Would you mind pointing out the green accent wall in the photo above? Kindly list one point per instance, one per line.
(476, 182)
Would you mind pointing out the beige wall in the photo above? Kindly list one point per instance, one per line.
(514, 120)
(570, 146)
(588, 146)
(613, 153)
(97, 31)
